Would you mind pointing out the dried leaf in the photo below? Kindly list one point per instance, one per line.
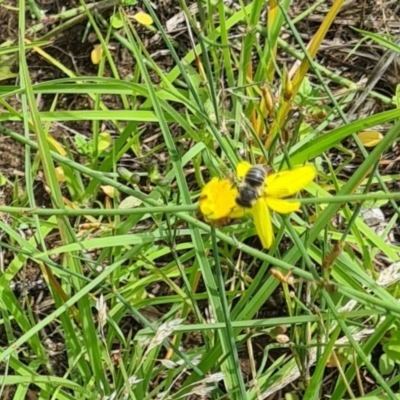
(334, 359)
(96, 54)
(214, 378)
(168, 364)
(163, 331)
(373, 216)
(143, 18)
(389, 275)
(133, 380)
(370, 138)
(282, 339)
(58, 147)
(109, 190)
(101, 307)
(60, 174)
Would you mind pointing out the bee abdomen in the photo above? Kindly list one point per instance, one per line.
(251, 187)
(255, 176)
(247, 197)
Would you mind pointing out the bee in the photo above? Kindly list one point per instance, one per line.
(251, 187)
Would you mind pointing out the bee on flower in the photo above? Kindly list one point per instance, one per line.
(258, 192)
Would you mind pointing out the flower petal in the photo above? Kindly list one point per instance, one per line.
(262, 222)
(282, 206)
(242, 169)
(287, 183)
(238, 212)
(217, 199)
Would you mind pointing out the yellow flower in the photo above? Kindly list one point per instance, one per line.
(217, 200)
(277, 187)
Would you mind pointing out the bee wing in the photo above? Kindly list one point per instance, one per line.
(287, 183)
(262, 222)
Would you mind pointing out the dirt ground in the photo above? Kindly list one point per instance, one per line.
(339, 53)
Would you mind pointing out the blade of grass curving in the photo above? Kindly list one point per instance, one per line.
(380, 39)
(39, 237)
(44, 382)
(95, 115)
(99, 85)
(316, 147)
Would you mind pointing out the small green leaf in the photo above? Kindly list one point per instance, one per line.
(5, 68)
(83, 145)
(116, 21)
(386, 365)
(3, 180)
(305, 88)
(6, 73)
(394, 350)
(291, 396)
(104, 141)
(376, 203)
(208, 106)
(380, 39)
(396, 97)
(130, 202)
